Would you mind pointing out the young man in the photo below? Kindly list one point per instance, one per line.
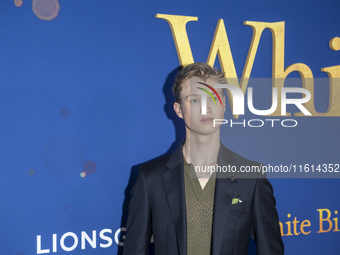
(192, 212)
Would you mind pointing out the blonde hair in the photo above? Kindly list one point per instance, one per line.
(200, 70)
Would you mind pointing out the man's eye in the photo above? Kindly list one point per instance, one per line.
(194, 101)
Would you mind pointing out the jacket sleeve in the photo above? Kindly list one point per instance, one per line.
(138, 226)
(266, 229)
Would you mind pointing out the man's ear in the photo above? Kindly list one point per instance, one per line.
(178, 110)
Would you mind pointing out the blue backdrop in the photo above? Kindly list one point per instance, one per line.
(86, 97)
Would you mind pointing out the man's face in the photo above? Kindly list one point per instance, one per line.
(190, 108)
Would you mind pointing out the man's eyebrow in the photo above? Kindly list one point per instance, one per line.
(192, 95)
(200, 95)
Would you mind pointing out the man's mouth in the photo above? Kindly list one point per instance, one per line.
(207, 119)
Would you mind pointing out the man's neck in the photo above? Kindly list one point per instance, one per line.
(201, 150)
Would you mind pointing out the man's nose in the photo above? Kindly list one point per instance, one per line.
(207, 108)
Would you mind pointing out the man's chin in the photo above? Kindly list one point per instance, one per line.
(204, 131)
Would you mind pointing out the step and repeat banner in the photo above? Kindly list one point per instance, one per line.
(86, 97)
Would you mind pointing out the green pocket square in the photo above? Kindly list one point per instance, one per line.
(236, 201)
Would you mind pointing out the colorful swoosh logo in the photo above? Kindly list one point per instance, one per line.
(209, 92)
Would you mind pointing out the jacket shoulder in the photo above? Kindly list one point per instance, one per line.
(245, 168)
(154, 166)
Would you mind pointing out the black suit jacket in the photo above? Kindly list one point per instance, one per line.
(157, 207)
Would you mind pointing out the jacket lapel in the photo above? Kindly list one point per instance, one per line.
(224, 188)
(174, 188)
